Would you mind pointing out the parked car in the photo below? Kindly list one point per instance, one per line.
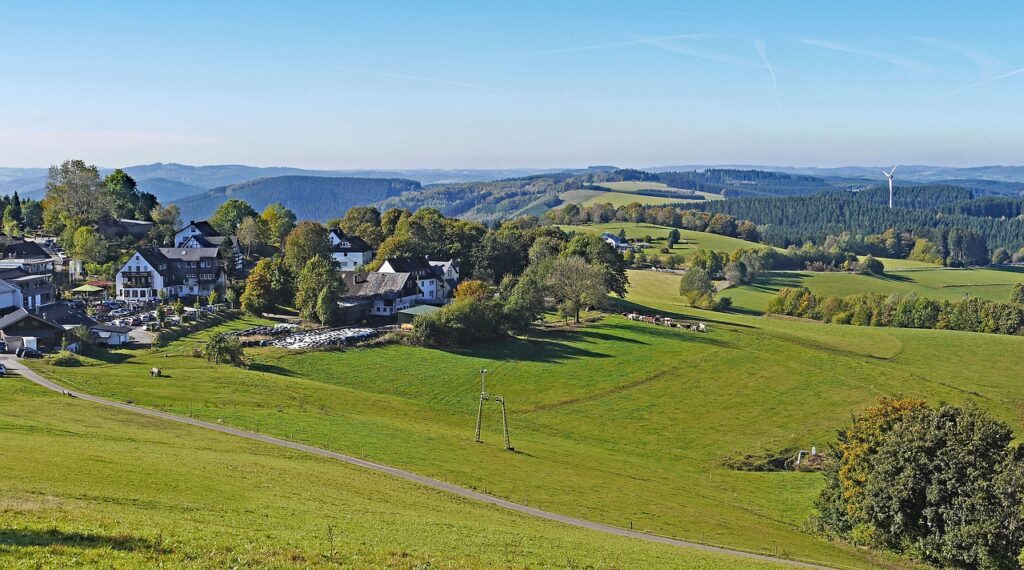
(26, 352)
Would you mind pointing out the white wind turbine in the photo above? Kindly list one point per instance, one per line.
(889, 176)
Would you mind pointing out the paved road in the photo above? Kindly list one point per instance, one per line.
(13, 365)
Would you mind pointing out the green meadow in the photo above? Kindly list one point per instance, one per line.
(618, 422)
(616, 199)
(82, 485)
(690, 240)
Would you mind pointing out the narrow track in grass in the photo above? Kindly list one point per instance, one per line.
(14, 365)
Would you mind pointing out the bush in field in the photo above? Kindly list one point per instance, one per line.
(224, 349)
(66, 358)
(943, 485)
(462, 322)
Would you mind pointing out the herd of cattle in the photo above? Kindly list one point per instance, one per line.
(667, 322)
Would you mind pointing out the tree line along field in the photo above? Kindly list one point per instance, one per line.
(85, 485)
(619, 422)
(590, 197)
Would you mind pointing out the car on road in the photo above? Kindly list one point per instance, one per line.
(26, 352)
(3, 370)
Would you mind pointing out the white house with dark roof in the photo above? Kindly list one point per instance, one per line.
(177, 271)
(383, 294)
(350, 252)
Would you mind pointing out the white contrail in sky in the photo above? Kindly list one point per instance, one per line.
(985, 62)
(980, 83)
(762, 50)
(904, 62)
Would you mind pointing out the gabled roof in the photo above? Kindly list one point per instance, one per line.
(189, 253)
(153, 256)
(20, 314)
(409, 264)
(65, 315)
(17, 248)
(361, 284)
(110, 328)
(356, 244)
(204, 228)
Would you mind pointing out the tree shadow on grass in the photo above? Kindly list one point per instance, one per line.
(108, 357)
(53, 537)
(893, 277)
(272, 369)
(531, 349)
(1007, 268)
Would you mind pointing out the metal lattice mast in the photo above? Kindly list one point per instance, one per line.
(480, 407)
(504, 422)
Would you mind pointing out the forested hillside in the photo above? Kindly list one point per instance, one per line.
(915, 197)
(489, 201)
(310, 197)
(745, 183)
(795, 220)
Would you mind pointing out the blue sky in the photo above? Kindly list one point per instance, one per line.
(530, 84)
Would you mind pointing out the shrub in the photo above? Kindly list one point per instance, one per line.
(66, 358)
(463, 322)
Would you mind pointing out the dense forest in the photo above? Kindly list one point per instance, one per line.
(795, 220)
(310, 197)
(745, 183)
(915, 197)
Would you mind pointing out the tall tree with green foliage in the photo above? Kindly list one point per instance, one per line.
(306, 241)
(89, 245)
(125, 198)
(317, 289)
(74, 194)
(576, 284)
(166, 223)
(280, 221)
(227, 216)
(597, 252)
(252, 233)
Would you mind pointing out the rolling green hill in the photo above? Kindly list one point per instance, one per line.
(310, 197)
(619, 422)
(86, 486)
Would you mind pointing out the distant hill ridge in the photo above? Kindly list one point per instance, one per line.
(310, 197)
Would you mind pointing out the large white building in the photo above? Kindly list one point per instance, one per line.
(177, 271)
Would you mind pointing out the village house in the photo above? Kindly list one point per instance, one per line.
(176, 271)
(350, 252)
(376, 294)
(202, 234)
(615, 241)
(428, 277)
(27, 266)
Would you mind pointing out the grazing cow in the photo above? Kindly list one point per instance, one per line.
(154, 372)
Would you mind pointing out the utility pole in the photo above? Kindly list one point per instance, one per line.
(480, 407)
(480, 411)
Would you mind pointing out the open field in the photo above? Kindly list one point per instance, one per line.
(633, 186)
(616, 199)
(944, 284)
(604, 430)
(689, 239)
(84, 485)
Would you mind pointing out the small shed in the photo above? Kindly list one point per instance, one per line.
(111, 335)
(406, 316)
